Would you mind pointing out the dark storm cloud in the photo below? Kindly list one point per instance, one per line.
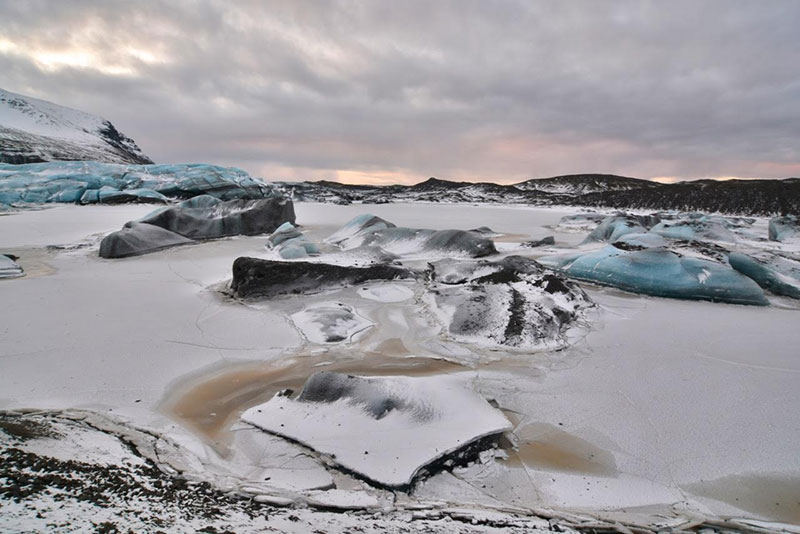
(403, 90)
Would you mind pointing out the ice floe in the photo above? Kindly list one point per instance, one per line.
(775, 273)
(290, 243)
(615, 226)
(385, 429)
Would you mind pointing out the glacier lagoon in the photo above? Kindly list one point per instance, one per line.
(657, 407)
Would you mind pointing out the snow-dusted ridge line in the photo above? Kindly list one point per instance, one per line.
(33, 130)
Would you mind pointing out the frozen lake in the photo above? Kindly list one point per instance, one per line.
(662, 407)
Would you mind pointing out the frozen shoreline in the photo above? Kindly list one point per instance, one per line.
(674, 398)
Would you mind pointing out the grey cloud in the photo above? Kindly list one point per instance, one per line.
(479, 90)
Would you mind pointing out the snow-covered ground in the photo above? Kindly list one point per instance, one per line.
(663, 410)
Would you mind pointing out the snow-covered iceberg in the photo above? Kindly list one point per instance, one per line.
(659, 272)
(89, 182)
(366, 229)
(513, 302)
(257, 278)
(385, 429)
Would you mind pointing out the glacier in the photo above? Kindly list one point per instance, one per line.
(89, 182)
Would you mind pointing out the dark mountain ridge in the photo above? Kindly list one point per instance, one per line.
(739, 197)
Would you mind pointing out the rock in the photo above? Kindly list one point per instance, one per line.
(660, 272)
(139, 238)
(513, 302)
(254, 278)
(365, 424)
(786, 228)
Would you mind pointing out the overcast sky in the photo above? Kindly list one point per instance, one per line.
(391, 91)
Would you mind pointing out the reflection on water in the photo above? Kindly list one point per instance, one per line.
(210, 402)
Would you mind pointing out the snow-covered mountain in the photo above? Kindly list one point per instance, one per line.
(33, 131)
(579, 184)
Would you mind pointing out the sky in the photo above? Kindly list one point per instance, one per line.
(395, 92)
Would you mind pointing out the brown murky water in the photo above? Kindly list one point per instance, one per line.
(545, 446)
(210, 402)
(771, 496)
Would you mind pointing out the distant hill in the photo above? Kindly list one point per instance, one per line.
(578, 184)
(35, 131)
(743, 197)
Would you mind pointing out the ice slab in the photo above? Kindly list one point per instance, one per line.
(662, 273)
(386, 429)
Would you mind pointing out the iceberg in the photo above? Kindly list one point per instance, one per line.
(388, 430)
(184, 223)
(696, 229)
(661, 273)
(786, 228)
(90, 182)
(580, 222)
(615, 226)
(513, 302)
(290, 243)
(257, 278)
(777, 274)
(369, 230)
(138, 238)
